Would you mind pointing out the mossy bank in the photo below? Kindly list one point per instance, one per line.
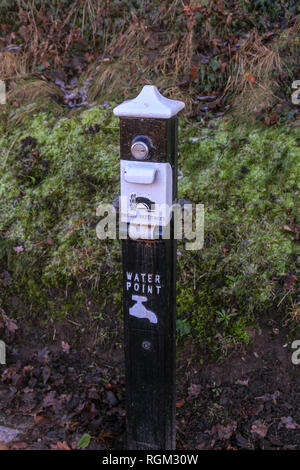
(56, 169)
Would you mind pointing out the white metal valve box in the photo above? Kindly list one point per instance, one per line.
(146, 193)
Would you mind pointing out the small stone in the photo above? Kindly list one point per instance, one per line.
(8, 434)
(111, 398)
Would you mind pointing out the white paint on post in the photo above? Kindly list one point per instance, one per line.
(2, 352)
(2, 92)
(139, 310)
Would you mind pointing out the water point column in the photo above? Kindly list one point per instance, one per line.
(148, 148)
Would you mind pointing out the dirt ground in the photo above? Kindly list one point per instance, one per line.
(54, 394)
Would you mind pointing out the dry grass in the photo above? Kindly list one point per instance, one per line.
(257, 70)
(142, 55)
(24, 89)
(13, 64)
(32, 91)
(139, 64)
(142, 51)
(293, 315)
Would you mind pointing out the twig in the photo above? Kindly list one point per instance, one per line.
(8, 152)
(284, 297)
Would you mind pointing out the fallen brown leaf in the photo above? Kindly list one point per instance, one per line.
(225, 432)
(63, 445)
(66, 347)
(18, 249)
(10, 324)
(242, 382)
(259, 428)
(180, 403)
(193, 391)
(4, 446)
(288, 422)
(19, 445)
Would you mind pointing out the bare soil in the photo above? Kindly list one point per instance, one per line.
(54, 394)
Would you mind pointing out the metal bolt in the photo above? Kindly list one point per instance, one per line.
(140, 150)
(146, 345)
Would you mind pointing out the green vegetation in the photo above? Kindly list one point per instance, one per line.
(56, 173)
(247, 179)
(56, 169)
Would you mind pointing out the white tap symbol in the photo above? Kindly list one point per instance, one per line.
(139, 310)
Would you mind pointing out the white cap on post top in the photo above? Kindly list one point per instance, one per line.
(149, 104)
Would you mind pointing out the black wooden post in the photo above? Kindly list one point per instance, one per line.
(148, 141)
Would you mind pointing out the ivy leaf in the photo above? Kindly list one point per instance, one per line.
(84, 441)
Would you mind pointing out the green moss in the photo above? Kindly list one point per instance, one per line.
(50, 188)
(49, 193)
(247, 180)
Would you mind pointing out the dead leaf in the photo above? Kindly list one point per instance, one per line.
(10, 324)
(253, 411)
(46, 374)
(259, 428)
(60, 446)
(132, 69)
(49, 399)
(18, 249)
(66, 347)
(27, 369)
(106, 434)
(193, 391)
(290, 281)
(270, 120)
(46, 63)
(242, 382)
(63, 445)
(229, 447)
(269, 396)
(194, 73)
(25, 32)
(19, 445)
(16, 380)
(251, 79)
(223, 67)
(294, 228)
(288, 422)
(5, 277)
(225, 432)
(180, 403)
(4, 446)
